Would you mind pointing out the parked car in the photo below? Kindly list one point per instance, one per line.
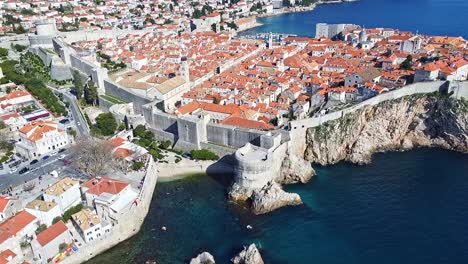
(45, 157)
(34, 161)
(61, 150)
(13, 170)
(23, 170)
(61, 157)
(53, 153)
(64, 121)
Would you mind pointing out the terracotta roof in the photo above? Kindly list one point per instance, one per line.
(246, 123)
(86, 218)
(41, 205)
(14, 94)
(104, 185)
(6, 256)
(55, 230)
(35, 130)
(4, 202)
(61, 186)
(14, 224)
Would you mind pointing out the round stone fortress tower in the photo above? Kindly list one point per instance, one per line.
(253, 167)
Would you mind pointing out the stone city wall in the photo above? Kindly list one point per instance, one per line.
(299, 128)
(97, 74)
(83, 35)
(232, 136)
(118, 91)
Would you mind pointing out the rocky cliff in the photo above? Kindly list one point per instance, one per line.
(419, 120)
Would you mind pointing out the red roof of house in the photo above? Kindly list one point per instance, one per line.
(55, 230)
(6, 256)
(4, 202)
(246, 123)
(14, 224)
(104, 185)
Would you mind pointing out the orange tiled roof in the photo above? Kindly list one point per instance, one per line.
(51, 233)
(246, 123)
(36, 129)
(104, 185)
(6, 256)
(14, 224)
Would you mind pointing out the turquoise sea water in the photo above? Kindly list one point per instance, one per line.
(433, 17)
(405, 207)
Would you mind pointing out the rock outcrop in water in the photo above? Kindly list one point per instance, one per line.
(203, 258)
(249, 255)
(260, 173)
(419, 120)
(272, 197)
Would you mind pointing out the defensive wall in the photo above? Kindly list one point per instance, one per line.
(84, 35)
(58, 70)
(299, 128)
(97, 74)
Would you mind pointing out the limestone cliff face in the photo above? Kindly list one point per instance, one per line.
(404, 123)
(294, 169)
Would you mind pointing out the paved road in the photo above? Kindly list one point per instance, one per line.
(41, 168)
(82, 126)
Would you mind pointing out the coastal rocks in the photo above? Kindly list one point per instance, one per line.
(272, 197)
(203, 258)
(419, 120)
(249, 255)
(295, 169)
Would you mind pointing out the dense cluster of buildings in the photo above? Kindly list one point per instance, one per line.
(264, 84)
(178, 15)
(36, 232)
(36, 131)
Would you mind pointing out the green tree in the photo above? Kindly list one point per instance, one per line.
(203, 154)
(57, 219)
(106, 124)
(78, 85)
(139, 131)
(90, 93)
(407, 64)
(3, 52)
(213, 27)
(41, 228)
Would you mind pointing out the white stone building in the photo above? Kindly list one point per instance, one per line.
(111, 198)
(89, 225)
(47, 243)
(8, 207)
(66, 193)
(41, 137)
(44, 211)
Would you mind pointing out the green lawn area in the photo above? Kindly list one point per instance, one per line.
(112, 99)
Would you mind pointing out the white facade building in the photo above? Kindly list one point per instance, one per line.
(41, 137)
(89, 225)
(66, 193)
(44, 211)
(47, 243)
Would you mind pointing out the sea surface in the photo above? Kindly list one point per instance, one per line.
(404, 207)
(432, 17)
